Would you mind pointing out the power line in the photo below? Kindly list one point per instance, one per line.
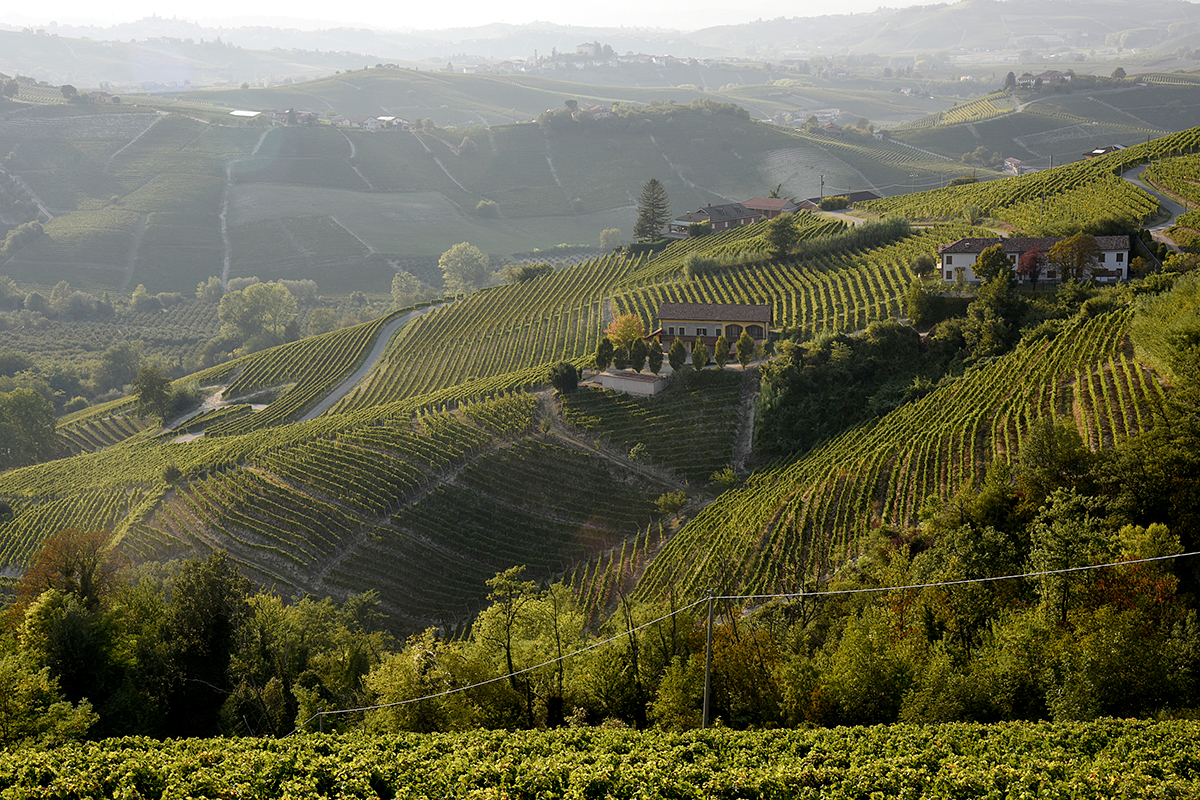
(711, 597)
(497, 679)
(960, 582)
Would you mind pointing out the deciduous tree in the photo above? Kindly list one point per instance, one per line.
(1075, 258)
(464, 267)
(153, 392)
(993, 262)
(406, 290)
(1032, 265)
(27, 432)
(625, 329)
(781, 235)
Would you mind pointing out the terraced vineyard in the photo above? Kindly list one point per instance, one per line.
(1079, 190)
(832, 293)
(423, 508)
(690, 431)
(982, 108)
(174, 335)
(799, 519)
(100, 432)
(497, 331)
(735, 241)
(894, 167)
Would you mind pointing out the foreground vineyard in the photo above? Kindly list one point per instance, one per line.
(1103, 759)
(798, 520)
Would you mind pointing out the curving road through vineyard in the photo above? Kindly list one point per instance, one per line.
(381, 343)
(1134, 176)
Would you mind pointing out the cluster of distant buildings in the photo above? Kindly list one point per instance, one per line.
(1050, 77)
(363, 122)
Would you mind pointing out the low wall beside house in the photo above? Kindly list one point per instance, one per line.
(632, 382)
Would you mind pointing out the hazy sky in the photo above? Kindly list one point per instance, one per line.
(415, 14)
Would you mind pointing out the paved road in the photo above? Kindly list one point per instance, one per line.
(1134, 176)
(368, 364)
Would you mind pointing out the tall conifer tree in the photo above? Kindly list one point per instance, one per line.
(654, 211)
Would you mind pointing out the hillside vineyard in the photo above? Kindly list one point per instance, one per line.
(302, 471)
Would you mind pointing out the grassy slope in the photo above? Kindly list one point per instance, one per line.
(1066, 126)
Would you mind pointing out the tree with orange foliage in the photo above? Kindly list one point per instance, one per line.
(73, 561)
(625, 329)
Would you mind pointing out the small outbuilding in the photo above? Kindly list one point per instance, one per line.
(629, 382)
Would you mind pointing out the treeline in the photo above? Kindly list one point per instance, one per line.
(179, 649)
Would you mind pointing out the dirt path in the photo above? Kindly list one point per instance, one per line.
(353, 159)
(743, 442)
(131, 263)
(108, 164)
(223, 217)
(550, 409)
(679, 172)
(32, 194)
(441, 166)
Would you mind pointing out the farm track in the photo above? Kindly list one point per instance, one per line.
(352, 161)
(679, 172)
(550, 409)
(131, 264)
(442, 166)
(131, 142)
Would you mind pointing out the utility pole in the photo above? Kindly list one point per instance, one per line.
(822, 197)
(708, 657)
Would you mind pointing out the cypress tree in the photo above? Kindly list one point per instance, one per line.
(604, 354)
(677, 357)
(721, 351)
(637, 354)
(654, 356)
